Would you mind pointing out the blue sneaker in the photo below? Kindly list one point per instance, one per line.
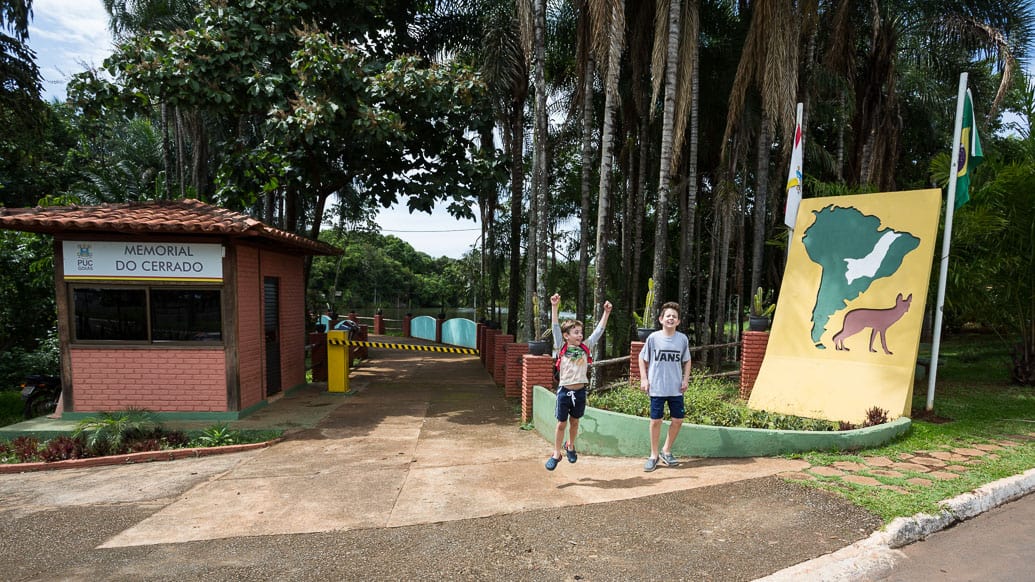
(572, 455)
(650, 465)
(551, 463)
(669, 460)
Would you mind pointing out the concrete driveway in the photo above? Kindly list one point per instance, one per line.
(423, 438)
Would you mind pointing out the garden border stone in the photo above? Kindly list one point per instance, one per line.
(130, 458)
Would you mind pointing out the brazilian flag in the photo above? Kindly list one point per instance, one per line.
(970, 152)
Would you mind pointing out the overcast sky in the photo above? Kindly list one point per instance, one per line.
(70, 36)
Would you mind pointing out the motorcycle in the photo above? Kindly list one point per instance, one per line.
(40, 393)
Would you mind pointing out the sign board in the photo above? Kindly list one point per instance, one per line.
(132, 261)
(846, 331)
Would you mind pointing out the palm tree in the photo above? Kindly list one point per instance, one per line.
(611, 18)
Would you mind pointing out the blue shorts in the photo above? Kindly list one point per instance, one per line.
(676, 408)
(570, 402)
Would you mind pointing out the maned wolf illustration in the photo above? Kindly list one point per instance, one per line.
(879, 320)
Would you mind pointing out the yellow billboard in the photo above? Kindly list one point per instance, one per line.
(847, 325)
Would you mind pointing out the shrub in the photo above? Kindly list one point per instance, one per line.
(709, 401)
(143, 445)
(26, 449)
(875, 416)
(217, 436)
(111, 432)
(62, 448)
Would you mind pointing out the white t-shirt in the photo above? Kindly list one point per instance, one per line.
(665, 356)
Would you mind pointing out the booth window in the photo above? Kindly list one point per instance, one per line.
(147, 314)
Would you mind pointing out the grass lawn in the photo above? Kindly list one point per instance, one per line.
(974, 403)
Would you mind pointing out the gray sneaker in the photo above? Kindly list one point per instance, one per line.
(650, 465)
(669, 460)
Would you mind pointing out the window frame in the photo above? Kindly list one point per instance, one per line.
(149, 342)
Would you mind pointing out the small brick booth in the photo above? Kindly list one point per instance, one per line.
(174, 306)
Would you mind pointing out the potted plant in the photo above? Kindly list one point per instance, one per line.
(761, 310)
(539, 345)
(645, 324)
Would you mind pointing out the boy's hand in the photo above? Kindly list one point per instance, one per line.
(644, 385)
(555, 299)
(607, 307)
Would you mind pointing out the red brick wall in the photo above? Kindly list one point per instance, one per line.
(490, 349)
(536, 371)
(513, 370)
(751, 356)
(634, 362)
(499, 360)
(173, 380)
(250, 355)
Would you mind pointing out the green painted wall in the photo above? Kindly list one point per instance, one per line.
(612, 434)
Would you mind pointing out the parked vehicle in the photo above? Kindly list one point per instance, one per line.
(40, 393)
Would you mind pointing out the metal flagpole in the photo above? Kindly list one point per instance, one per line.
(943, 273)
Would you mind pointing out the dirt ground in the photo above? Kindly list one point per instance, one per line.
(736, 531)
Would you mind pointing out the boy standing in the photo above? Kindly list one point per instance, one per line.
(664, 376)
(573, 377)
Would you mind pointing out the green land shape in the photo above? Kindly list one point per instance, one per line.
(840, 233)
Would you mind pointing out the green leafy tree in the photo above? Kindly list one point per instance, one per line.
(319, 108)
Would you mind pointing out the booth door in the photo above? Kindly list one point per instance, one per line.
(272, 329)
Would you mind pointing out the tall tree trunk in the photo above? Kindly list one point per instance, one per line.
(665, 172)
(167, 155)
(489, 201)
(541, 191)
(181, 174)
(517, 181)
(199, 159)
(616, 38)
(587, 172)
(689, 210)
(761, 195)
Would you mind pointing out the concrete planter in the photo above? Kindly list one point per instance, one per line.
(612, 434)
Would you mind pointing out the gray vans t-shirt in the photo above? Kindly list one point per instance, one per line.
(665, 356)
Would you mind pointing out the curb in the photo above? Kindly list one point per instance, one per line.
(131, 458)
(870, 556)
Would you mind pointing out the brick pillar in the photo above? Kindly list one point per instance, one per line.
(407, 332)
(479, 331)
(480, 342)
(753, 345)
(318, 356)
(362, 335)
(379, 323)
(438, 329)
(634, 362)
(499, 362)
(512, 368)
(535, 371)
(490, 349)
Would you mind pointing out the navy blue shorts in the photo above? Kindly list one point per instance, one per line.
(676, 408)
(570, 402)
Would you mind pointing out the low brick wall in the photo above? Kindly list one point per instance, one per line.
(751, 356)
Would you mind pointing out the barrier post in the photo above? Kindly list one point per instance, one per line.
(338, 361)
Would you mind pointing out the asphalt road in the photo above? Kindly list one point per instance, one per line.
(994, 546)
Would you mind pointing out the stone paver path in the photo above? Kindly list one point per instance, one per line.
(907, 472)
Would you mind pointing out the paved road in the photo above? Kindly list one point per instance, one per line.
(994, 546)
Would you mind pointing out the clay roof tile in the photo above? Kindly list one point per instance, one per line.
(187, 216)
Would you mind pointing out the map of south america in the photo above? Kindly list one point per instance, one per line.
(853, 252)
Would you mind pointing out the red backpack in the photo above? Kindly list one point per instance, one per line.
(560, 354)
